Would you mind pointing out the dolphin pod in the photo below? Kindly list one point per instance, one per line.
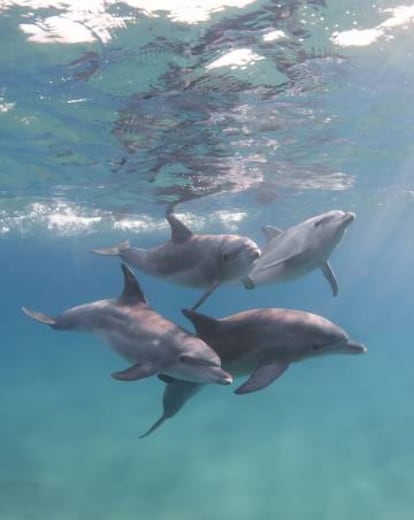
(258, 343)
(200, 261)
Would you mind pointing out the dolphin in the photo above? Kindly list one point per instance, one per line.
(260, 343)
(199, 261)
(142, 336)
(300, 249)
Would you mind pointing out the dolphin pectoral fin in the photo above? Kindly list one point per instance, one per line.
(176, 394)
(156, 425)
(262, 377)
(205, 295)
(330, 276)
(112, 251)
(291, 261)
(39, 316)
(248, 283)
(137, 371)
(271, 232)
(165, 378)
(273, 264)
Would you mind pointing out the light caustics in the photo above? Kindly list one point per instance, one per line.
(397, 18)
(85, 21)
(61, 218)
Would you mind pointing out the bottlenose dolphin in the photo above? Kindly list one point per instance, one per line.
(295, 252)
(142, 336)
(200, 261)
(261, 343)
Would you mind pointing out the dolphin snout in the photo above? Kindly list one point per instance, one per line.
(356, 348)
(222, 377)
(349, 217)
(211, 374)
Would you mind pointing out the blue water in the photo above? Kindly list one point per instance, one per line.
(110, 113)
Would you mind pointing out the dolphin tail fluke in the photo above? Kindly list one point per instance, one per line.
(39, 316)
(112, 251)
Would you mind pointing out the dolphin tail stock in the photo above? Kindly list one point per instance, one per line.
(115, 250)
(39, 316)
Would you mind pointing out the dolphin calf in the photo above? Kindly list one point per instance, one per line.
(200, 261)
(261, 343)
(142, 336)
(295, 252)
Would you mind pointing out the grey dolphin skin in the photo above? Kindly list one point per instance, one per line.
(150, 342)
(300, 249)
(199, 261)
(261, 343)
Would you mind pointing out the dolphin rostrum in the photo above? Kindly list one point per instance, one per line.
(261, 343)
(150, 342)
(199, 261)
(300, 249)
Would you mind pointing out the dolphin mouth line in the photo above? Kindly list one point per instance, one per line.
(197, 362)
(348, 347)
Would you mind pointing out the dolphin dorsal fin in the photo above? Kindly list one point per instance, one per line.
(132, 293)
(179, 232)
(271, 232)
(202, 323)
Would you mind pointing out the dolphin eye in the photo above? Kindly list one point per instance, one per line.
(316, 347)
(190, 360)
(322, 220)
(229, 256)
(233, 253)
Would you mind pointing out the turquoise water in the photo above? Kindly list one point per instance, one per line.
(108, 113)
